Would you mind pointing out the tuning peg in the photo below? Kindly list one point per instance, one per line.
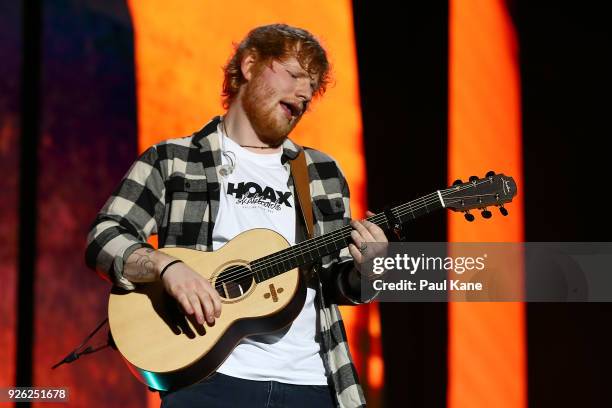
(486, 213)
(490, 173)
(473, 178)
(468, 216)
(503, 210)
(457, 182)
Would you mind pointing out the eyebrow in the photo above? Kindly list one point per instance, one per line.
(299, 72)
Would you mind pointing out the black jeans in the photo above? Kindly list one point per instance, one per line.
(220, 391)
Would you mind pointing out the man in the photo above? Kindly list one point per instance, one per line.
(232, 176)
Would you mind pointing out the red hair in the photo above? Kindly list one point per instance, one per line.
(277, 42)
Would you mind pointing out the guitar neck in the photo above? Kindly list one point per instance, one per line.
(314, 249)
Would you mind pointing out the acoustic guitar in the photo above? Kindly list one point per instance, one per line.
(256, 275)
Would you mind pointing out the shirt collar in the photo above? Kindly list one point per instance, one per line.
(290, 149)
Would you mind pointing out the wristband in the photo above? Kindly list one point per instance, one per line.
(161, 274)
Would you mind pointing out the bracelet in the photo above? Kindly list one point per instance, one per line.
(161, 274)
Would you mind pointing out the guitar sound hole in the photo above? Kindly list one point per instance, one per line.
(234, 282)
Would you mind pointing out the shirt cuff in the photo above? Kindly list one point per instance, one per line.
(119, 263)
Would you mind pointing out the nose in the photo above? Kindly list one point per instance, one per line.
(304, 91)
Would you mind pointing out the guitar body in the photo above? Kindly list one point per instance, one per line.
(166, 350)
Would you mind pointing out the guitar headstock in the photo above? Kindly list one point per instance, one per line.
(480, 193)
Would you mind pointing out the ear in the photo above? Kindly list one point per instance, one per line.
(247, 64)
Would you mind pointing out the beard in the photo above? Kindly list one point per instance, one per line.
(260, 103)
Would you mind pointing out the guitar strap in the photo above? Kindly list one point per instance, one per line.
(301, 182)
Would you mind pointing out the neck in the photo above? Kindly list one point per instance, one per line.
(238, 127)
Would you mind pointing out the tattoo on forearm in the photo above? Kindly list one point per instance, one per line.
(142, 268)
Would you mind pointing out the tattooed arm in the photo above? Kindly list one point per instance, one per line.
(145, 264)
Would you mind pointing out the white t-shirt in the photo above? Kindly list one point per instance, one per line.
(256, 195)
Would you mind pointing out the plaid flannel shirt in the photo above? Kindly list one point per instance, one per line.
(173, 191)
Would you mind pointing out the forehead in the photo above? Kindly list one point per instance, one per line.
(291, 62)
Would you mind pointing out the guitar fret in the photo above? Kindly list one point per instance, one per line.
(398, 218)
(265, 273)
(411, 211)
(386, 222)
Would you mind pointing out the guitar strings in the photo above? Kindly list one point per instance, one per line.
(241, 271)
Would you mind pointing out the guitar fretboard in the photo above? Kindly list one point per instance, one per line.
(311, 250)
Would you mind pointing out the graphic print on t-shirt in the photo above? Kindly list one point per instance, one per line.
(251, 194)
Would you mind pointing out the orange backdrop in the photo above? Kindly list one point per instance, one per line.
(487, 365)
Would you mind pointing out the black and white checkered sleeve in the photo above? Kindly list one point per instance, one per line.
(132, 213)
(336, 270)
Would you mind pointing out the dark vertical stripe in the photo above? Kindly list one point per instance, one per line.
(10, 133)
(89, 140)
(566, 90)
(30, 128)
(403, 58)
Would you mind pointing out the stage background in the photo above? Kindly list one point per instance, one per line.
(71, 123)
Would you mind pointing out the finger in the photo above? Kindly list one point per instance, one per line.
(377, 233)
(208, 308)
(358, 240)
(213, 294)
(357, 257)
(216, 299)
(374, 229)
(370, 226)
(184, 302)
(197, 307)
(363, 231)
(361, 244)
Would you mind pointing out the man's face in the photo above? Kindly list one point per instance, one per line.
(276, 97)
